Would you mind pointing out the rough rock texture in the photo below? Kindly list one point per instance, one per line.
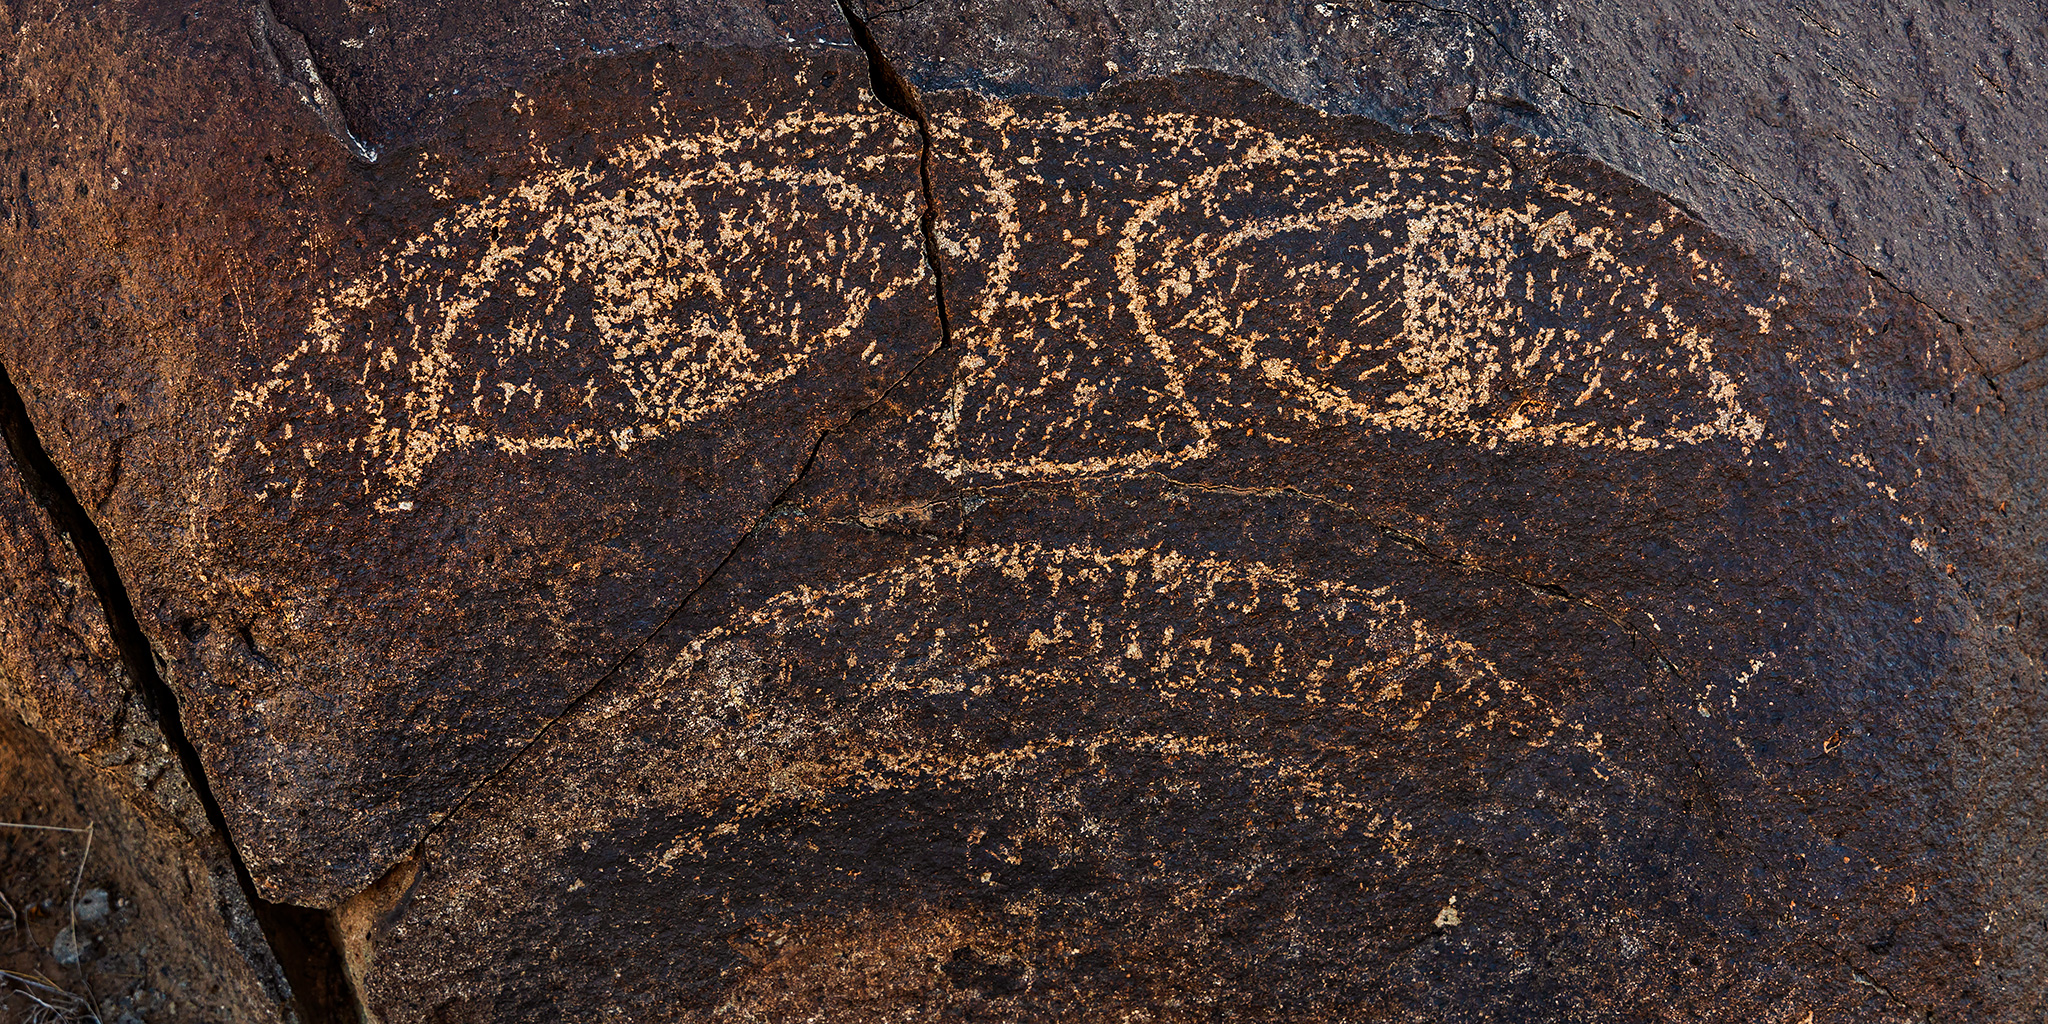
(1905, 137)
(605, 366)
(1029, 511)
(162, 931)
(144, 929)
(61, 669)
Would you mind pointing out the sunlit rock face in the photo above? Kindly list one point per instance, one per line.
(584, 382)
(775, 522)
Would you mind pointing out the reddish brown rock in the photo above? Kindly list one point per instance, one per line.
(531, 384)
(139, 926)
(116, 896)
(714, 529)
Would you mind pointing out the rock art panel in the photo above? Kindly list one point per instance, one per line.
(1902, 138)
(1096, 767)
(678, 535)
(1286, 598)
(521, 388)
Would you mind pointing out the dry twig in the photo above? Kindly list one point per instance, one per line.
(53, 1004)
(76, 880)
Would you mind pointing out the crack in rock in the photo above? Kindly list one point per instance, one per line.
(299, 937)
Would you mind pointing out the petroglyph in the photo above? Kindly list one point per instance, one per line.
(1274, 285)
(1156, 285)
(598, 306)
(832, 689)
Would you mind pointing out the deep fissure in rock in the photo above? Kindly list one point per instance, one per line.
(301, 938)
(899, 95)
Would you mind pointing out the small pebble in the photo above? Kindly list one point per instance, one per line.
(66, 949)
(92, 905)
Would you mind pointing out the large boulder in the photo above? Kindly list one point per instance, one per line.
(1050, 511)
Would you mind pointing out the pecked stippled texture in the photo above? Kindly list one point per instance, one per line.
(576, 387)
(1899, 137)
(1329, 575)
(673, 537)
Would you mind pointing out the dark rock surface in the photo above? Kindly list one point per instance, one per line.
(1904, 137)
(161, 930)
(617, 341)
(1365, 511)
